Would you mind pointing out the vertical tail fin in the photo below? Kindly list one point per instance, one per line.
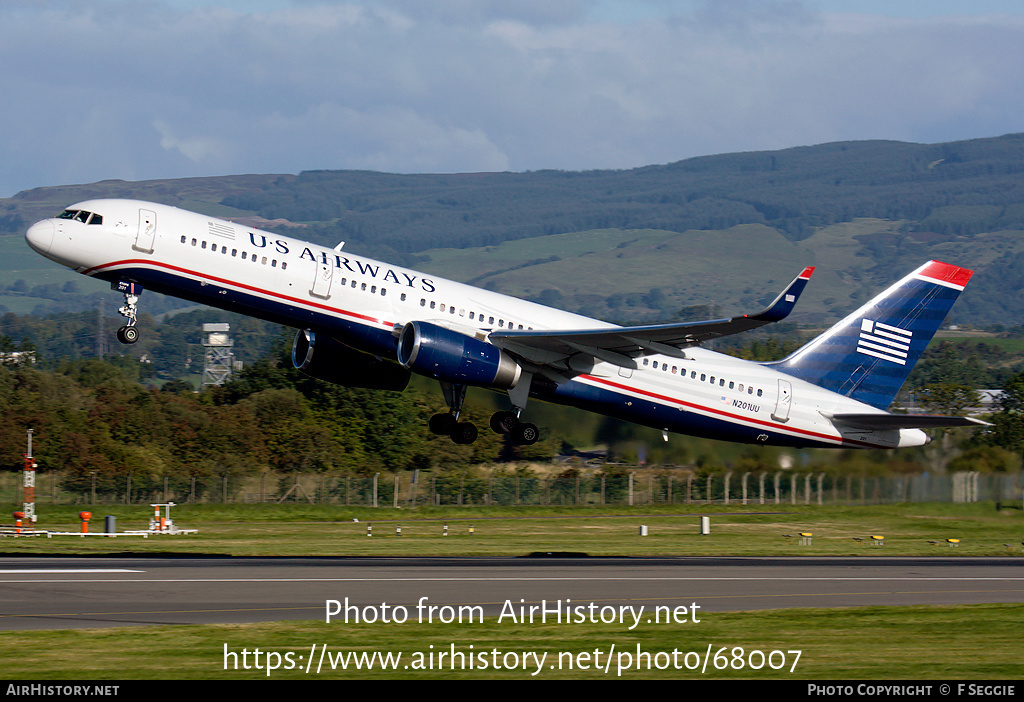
(869, 355)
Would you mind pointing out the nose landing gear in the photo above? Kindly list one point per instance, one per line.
(128, 334)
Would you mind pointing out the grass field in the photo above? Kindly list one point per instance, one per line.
(872, 643)
(869, 643)
(328, 530)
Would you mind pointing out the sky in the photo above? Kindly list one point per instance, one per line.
(145, 89)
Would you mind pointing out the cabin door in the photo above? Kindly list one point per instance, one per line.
(784, 402)
(147, 231)
(323, 278)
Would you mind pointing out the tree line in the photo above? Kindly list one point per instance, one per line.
(97, 421)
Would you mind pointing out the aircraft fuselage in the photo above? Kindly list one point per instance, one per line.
(366, 303)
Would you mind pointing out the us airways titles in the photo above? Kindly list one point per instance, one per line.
(344, 262)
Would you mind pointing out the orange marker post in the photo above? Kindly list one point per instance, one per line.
(85, 517)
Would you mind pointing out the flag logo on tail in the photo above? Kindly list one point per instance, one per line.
(884, 341)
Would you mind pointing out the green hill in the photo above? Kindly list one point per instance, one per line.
(722, 231)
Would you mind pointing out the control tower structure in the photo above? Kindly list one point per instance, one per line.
(219, 359)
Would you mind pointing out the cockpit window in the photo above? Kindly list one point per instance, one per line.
(81, 216)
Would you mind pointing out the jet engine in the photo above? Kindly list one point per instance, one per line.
(328, 359)
(455, 358)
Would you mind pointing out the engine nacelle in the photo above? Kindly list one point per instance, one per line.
(328, 359)
(455, 358)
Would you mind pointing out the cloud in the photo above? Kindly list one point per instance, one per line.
(132, 89)
(197, 149)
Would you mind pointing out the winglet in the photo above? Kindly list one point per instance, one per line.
(786, 301)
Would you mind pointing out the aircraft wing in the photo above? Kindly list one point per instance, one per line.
(881, 422)
(621, 345)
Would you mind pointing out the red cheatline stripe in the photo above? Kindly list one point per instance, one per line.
(712, 410)
(243, 286)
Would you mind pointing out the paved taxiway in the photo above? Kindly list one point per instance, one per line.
(58, 593)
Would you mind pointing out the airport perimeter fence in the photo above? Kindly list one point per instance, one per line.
(616, 485)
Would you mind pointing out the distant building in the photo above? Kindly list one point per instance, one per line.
(16, 358)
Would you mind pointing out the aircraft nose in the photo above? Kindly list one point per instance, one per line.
(40, 236)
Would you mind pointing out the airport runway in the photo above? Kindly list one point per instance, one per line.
(60, 593)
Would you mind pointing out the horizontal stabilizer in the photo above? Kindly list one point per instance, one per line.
(880, 422)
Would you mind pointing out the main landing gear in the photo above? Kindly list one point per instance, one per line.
(504, 422)
(507, 422)
(128, 334)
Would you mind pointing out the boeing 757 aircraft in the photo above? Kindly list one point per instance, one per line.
(365, 323)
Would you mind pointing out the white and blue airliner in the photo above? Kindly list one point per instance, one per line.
(366, 323)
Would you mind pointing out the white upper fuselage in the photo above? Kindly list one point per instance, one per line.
(365, 302)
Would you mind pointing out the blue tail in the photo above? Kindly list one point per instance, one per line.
(869, 355)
